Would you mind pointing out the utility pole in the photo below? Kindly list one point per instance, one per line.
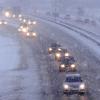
(56, 7)
(54, 12)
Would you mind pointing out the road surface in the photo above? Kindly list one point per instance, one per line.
(36, 77)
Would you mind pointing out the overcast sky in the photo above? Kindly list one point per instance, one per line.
(85, 3)
(46, 3)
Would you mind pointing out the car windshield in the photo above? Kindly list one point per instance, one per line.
(73, 79)
(68, 61)
(65, 50)
(55, 45)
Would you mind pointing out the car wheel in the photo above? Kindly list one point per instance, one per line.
(60, 70)
(81, 93)
(66, 93)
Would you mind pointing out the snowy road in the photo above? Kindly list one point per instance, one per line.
(36, 77)
(86, 59)
(19, 79)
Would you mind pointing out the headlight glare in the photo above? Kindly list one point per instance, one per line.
(34, 22)
(59, 49)
(50, 49)
(82, 86)
(66, 54)
(73, 66)
(58, 55)
(62, 66)
(66, 87)
(34, 34)
(28, 34)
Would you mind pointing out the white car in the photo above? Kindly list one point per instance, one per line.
(74, 84)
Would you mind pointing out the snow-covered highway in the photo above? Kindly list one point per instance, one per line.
(87, 59)
(35, 76)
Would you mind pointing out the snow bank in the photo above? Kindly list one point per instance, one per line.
(8, 53)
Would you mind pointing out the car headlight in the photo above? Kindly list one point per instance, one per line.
(34, 34)
(58, 55)
(34, 22)
(59, 49)
(66, 87)
(66, 54)
(24, 20)
(73, 66)
(28, 34)
(5, 23)
(1, 23)
(7, 14)
(62, 66)
(50, 49)
(24, 29)
(82, 86)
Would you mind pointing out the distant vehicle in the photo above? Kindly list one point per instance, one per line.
(23, 28)
(67, 64)
(60, 54)
(28, 21)
(74, 84)
(53, 48)
(31, 34)
(3, 22)
(24, 24)
(19, 16)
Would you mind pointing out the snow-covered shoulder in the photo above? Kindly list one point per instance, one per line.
(9, 57)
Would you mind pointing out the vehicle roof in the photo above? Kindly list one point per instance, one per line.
(68, 58)
(73, 75)
(64, 49)
(55, 44)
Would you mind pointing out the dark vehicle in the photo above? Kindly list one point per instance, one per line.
(31, 34)
(53, 48)
(67, 64)
(61, 54)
